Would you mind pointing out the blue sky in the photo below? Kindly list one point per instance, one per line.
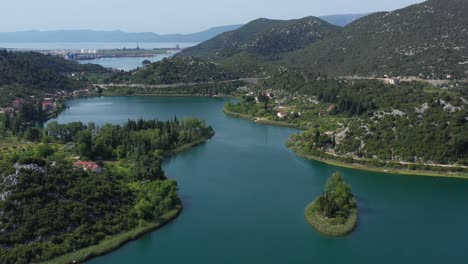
(170, 16)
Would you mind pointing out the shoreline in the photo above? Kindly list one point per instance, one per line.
(187, 147)
(325, 228)
(115, 242)
(262, 121)
(396, 171)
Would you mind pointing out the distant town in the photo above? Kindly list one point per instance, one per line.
(94, 54)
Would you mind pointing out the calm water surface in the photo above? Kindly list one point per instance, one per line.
(125, 63)
(244, 194)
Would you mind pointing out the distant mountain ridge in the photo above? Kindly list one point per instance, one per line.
(110, 36)
(342, 20)
(121, 36)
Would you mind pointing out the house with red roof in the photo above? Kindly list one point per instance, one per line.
(18, 103)
(48, 104)
(88, 166)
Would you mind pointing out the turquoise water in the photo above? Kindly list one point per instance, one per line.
(244, 194)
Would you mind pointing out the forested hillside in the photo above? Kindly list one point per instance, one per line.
(428, 40)
(30, 73)
(50, 206)
(176, 70)
(264, 37)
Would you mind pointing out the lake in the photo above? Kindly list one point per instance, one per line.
(244, 195)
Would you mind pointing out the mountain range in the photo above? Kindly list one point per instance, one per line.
(121, 36)
(427, 40)
(109, 36)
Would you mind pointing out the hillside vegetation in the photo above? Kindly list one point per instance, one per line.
(50, 206)
(30, 73)
(175, 70)
(427, 40)
(365, 119)
(264, 37)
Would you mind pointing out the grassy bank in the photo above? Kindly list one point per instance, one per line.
(277, 123)
(400, 171)
(115, 242)
(327, 226)
(186, 147)
(242, 116)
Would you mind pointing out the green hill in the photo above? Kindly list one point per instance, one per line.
(176, 70)
(30, 73)
(264, 37)
(428, 39)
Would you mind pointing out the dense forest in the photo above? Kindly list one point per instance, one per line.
(49, 207)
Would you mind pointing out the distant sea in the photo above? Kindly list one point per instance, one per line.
(91, 45)
(124, 63)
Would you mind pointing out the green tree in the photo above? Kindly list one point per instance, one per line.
(84, 144)
(144, 210)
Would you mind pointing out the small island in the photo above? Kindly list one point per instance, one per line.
(334, 213)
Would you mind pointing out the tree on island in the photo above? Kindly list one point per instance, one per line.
(337, 199)
(334, 213)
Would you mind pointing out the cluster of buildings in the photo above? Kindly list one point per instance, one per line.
(48, 104)
(70, 54)
(16, 105)
(7, 110)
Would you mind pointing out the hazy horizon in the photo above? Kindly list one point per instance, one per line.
(177, 17)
